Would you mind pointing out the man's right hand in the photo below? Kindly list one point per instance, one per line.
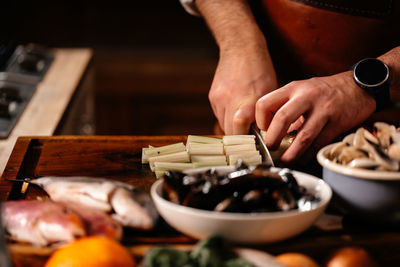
(243, 76)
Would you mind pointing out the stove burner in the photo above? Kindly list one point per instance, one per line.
(29, 63)
(10, 93)
(7, 109)
(33, 63)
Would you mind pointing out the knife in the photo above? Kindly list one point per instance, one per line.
(261, 145)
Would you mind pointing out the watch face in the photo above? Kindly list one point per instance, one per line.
(371, 72)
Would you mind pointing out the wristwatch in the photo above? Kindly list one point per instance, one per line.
(372, 75)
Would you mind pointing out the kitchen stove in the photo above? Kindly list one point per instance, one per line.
(21, 69)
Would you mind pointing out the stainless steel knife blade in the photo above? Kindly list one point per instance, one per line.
(261, 145)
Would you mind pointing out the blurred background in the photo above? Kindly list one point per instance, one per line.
(152, 64)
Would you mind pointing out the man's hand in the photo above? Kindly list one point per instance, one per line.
(329, 105)
(245, 71)
(242, 77)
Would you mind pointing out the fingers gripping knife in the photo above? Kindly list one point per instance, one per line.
(261, 145)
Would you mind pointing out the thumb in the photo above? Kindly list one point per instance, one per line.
(242, 118)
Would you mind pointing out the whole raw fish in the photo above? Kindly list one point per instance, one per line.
(41, 222)
(127, 204)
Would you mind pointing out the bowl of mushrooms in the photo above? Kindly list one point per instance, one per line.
(363, 171)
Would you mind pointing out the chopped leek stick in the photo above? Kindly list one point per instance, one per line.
(207, 164)
(161, 167)
(243, 147)
(208, 158)
(182, 157)
(254, 160)
(238, 139)
(173, 166)
(206, 149)
(254, 163)
(245, 155)
(145, 159)
(163, 150)
(159, 174)
(203, 139)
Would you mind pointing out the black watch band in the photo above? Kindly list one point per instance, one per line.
(372, 75)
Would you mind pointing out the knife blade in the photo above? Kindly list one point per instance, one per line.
(261, 145)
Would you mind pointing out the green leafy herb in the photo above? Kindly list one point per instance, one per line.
(164, 256)
(237, 262)
(211, 252)
(207, 252)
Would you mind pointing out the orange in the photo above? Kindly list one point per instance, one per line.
(90, 252)
(293, 259)
(350, 257)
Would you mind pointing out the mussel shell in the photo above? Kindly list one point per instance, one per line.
(292, 184)
(173, 186)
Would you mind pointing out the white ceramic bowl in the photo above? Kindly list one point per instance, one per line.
(367, 193)
(247, 228)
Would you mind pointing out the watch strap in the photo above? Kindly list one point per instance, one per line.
(381, 95)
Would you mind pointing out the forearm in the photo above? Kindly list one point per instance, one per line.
(232, 24)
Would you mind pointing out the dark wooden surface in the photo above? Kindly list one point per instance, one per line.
(119, 158)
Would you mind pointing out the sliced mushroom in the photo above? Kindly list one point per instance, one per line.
(349, 139)
(363, 163)
(361, 137)
(394, 152)
(385, 163)
(380, 151)
(396, 137)
(384, 133)
(336, 150)
(350, 153)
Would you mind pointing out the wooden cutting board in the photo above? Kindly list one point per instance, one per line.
(119, 158)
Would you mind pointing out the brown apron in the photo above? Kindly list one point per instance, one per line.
(310, 38)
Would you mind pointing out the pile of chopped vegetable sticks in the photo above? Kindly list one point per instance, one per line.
(202, 151)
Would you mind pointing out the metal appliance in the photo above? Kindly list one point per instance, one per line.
(22, 67)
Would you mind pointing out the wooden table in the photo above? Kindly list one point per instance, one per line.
(52, 96)
(120, 158)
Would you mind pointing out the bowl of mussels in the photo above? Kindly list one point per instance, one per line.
(243, 204)
(363, 171)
